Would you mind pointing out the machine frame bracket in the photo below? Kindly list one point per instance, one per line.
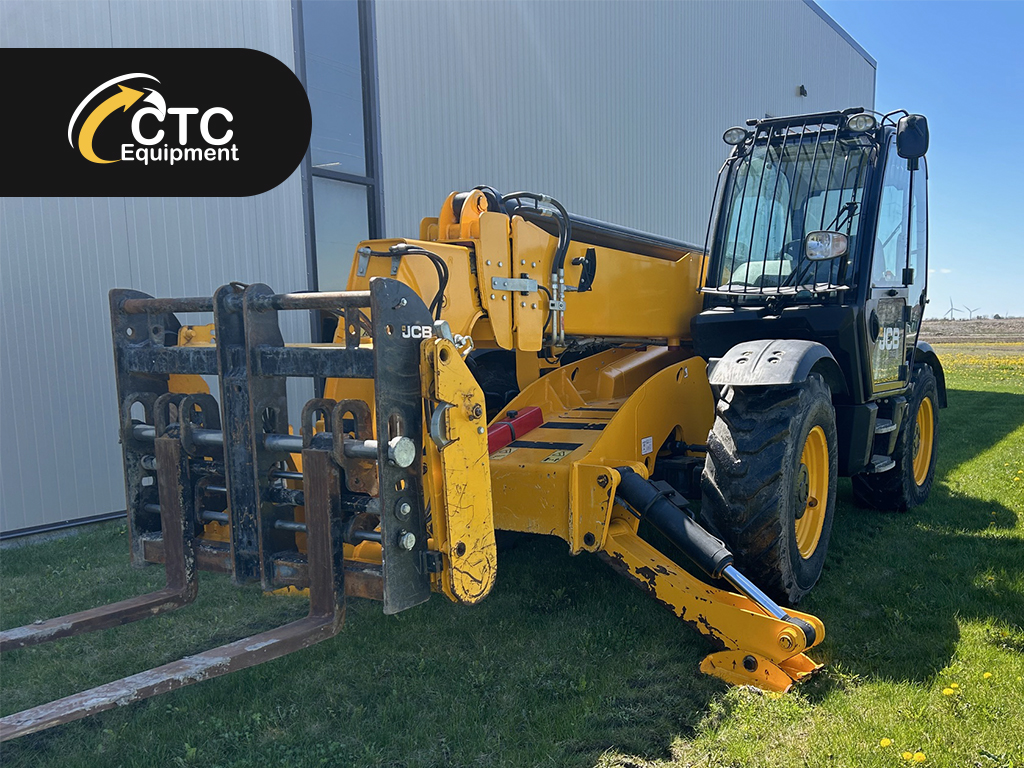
(521, 284)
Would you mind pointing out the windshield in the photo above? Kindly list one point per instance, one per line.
(778, 192)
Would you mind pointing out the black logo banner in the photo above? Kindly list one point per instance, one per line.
(150, 122)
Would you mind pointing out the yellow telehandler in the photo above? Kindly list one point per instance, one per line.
(519, 368)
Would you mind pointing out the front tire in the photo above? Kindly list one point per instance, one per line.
(908, 483)
(769, 482)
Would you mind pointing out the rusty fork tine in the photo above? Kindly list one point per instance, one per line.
(326, 614)
(180, 566)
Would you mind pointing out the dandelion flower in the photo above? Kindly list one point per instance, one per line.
(948, 691)
(919, 757)
(987, 675)
(887, 742)
(954, 685)
(907, 756)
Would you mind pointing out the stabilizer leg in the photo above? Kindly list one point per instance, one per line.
(759, 649)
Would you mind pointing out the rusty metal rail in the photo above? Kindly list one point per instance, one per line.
(264, 303)
(326, 615)
(180, 565)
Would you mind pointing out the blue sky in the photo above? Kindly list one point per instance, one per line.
(961, 64)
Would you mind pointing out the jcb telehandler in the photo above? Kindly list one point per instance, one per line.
(518, 368)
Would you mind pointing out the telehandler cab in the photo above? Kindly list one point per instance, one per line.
(518, 368)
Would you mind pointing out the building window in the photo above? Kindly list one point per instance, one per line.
(334, 82)
(341, 222)
(336, 61)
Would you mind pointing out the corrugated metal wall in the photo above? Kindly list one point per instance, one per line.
(615, 108)
(59, 455)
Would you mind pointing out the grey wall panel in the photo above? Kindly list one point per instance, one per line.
(615, 108)
(59, 456)
(29, 24)
(58, 423)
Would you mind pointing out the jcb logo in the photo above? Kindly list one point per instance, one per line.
(417, 332)
(890, 338)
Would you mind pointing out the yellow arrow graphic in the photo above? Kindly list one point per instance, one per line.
(124, 99)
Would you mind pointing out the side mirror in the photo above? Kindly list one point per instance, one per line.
(823, 245)
(912, 139)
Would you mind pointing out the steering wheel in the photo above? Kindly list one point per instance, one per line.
(793, 248)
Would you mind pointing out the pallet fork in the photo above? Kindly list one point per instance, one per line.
(177, 447)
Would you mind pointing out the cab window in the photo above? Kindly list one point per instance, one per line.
(890, 252)
(918, 245)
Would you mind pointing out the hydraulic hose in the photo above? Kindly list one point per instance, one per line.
(708, 553)
(441, 267)
(561, 249)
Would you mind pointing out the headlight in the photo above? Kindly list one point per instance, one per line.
(824, 246)
(735, 136)
(862, 122)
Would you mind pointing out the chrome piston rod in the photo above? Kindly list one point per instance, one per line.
(750, 590)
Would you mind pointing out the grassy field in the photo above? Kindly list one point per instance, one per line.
(568, 665)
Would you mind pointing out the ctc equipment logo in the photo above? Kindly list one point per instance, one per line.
(150, 124)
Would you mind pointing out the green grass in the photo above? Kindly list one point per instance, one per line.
(567, 664)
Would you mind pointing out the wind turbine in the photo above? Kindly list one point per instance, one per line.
(952, 309)
(970, 312)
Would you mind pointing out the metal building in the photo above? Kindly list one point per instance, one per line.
(615, 108)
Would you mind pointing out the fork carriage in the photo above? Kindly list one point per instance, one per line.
(225, 487)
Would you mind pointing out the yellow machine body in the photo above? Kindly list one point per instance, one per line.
(617, 408)
(518, 368)
(612, 409)
(635, 296)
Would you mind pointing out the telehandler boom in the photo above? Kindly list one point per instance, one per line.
(518, 368)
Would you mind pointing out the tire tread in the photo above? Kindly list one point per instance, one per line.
(745, 483)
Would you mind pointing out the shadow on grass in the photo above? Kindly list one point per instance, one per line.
(564, 661)
(896, 585)
(974, 422)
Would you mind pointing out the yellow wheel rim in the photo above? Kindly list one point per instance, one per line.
(812, 491)
(924, 441)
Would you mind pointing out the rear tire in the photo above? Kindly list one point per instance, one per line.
(908, 483)
(769, 482)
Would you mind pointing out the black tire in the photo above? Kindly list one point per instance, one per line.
(755, 482)
(898, 489)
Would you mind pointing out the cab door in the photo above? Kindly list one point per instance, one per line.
(890, 314)
(917, 278)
